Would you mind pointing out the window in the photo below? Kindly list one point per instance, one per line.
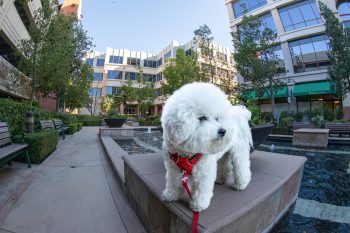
(96, 92)
(276, 53)
(344, 12)
(130, 76)
(222, 72)
(189, 52)
(130, 109)
(241, 7)
(148, 77)
(116, 59)
(133, 61)
(22, 14)
(159, 77)
(159, 62)
(90, 61)
(167, 56)
(150, 63)
(98, 77)
(157, 93)
(221, 56)
(100, 62)
(114, 74)
(111, 90)
(267, 22)
(310, 53)
(300, 15)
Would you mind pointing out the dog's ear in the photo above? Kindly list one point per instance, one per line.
(242, 111)
(177, 125)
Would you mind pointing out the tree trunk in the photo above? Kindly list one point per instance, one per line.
(273, 107)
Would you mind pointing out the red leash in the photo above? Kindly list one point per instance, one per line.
(186, 164)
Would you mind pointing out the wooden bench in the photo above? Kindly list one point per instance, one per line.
(10, 150)
(300, 125)
(49, 124)
(59, 125)
(338, 128)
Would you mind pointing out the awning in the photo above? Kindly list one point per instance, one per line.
(252, 95)
(314, 88)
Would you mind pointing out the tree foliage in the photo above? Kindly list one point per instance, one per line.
(339, 41)
(179, 71)
(145, 92)
(214, 68)
(126, 93)
(53, 57)
(255, 57)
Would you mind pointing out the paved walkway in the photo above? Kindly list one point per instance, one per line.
(74, 190)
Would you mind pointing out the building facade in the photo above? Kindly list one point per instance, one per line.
(303, 48)
(115, 66)
(15, 17)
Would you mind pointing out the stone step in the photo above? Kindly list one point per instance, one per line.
(262, 207)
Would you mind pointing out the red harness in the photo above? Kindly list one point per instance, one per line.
(186, 164)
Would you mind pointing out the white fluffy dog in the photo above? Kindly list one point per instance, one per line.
(198, 118)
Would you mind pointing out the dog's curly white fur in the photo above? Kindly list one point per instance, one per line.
(198, 118)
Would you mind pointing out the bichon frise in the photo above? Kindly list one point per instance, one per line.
(198, 118)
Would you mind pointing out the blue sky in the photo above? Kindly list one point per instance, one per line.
(150, 25)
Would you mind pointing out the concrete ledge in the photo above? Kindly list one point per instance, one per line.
(270, 196)
(123, 133)
(115, 154)
(317, 138)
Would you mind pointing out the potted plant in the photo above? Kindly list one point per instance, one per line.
(114, 119)
(260, 129)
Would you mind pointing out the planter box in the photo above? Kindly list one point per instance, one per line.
(260, 133)
(317, 138)
(115, 122)
(264, 206)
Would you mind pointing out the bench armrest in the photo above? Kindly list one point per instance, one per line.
(20, 133)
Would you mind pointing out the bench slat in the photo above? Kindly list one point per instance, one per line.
(5, 141)
(3, 124)
(13, 148)
(4, 135)
(4, 129)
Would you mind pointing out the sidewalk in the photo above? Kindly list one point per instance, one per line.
(72, 191)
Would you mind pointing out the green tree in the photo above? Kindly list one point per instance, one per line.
(255, 58)
(52, 57)
(214, 64)
(339, 42)
(179, 71)
(126, 93)
(204, 41)
(107, 103)
(145, 91)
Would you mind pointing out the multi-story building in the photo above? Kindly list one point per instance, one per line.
(303, 47)
(113, 67)
(15, 17)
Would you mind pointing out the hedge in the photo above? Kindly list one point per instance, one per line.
(14, 113)
(41, 144)
(89, 120)
(150, 121)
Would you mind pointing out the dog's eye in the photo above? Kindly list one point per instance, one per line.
(217, 118)
(203, 118)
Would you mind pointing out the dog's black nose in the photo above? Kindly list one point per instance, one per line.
(221, 132)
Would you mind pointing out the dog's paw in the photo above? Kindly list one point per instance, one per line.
(199, 206)
(170, 195)
(241, 184)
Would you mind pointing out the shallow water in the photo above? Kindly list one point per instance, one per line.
(326, 177)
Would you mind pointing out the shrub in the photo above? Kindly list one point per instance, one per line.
(66, 118)
(298, 117)
(149, 121)
(287, 122)
(339, 114)
(328, 114)
(256, 115)
(88, 120)
(281, 130)
(73, 127)
(80, 125)
(41, 144)
(15, 114)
